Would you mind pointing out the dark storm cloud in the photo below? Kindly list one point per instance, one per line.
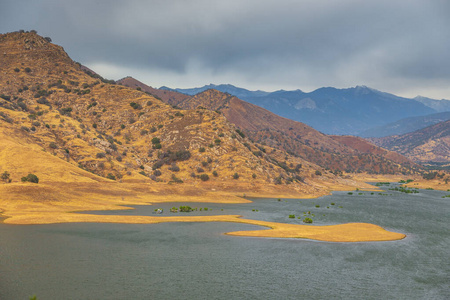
(391, 45)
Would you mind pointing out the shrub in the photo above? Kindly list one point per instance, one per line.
(111, 176)
(156, 146)
(16, 70)
(202, 149)
(5, 177)
(30, 178)
(240, 133)
(53, 145)
(43, 100)
(200, 170)
(253, 175)
(215, 173)
(100, 155)
(204, 177)
(307, 220)
(135, 105)
(174, 168)
(318, 173)
(235, 176)
(156, 140)
(65, 110)
(176, 179)
(28, 70)
(217, 141)
(291, 216)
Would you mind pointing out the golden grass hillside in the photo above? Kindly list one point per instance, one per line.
(94, 145)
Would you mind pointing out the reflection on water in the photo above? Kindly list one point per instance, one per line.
(196, 261)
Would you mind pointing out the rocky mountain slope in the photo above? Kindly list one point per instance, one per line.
(335, 154)
(428, 146)
(66, 126)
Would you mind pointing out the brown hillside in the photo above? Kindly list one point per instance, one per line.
(51, 106)
(430, 145)
(170, 97)
(334, 153)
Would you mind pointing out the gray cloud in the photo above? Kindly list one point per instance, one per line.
(400, 46)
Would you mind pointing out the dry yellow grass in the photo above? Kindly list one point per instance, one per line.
(52, 144)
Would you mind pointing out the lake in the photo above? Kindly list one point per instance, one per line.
(197, 261)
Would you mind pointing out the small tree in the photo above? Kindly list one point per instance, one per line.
(5, 177)
(235, 176)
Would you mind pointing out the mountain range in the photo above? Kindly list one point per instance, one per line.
(352, 111)
(268, 129)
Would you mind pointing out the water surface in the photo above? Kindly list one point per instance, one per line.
(197, 261)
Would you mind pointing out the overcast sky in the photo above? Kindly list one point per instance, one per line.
(397, 46)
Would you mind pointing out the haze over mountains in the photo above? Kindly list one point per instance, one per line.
(336, 111)
(427, 146)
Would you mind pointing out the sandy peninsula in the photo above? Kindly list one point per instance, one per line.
(56, 203)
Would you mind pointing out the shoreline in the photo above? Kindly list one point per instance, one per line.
(37, 207)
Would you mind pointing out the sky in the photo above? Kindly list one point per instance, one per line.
(396, 46)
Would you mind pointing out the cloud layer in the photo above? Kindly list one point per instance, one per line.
(399, 46)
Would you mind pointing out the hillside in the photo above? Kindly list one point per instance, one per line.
(94, 144)
(297, 138)
(407, 125)
(428, 146)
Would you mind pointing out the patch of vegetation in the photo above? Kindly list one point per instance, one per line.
(291, 216)
(30, 178)
(307, 220)
(204, 177)
(135, 105)
(240, 133)
(235, 176)
(176, 179)
(6, 177)
(185, 209)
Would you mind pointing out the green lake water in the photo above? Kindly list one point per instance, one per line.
(197, 261)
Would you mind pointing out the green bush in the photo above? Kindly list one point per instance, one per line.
(111, 176)
(307, 220)
(135, 105)
(5, 177)
(235, 176)
(30, 178)
(291, 216)
(204, 177)
(202, 149)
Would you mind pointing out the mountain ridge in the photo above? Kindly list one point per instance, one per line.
(336, 111)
